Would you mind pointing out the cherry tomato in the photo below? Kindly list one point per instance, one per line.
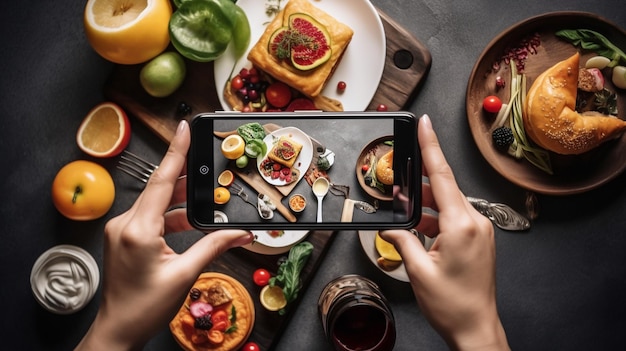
(251, 346)
(341, 86)
(365, 168)
(278, 94)
(236, 83)
(261, 277)
(492, 104)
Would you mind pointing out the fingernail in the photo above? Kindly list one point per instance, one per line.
(426, 121)
(244, 239)
(181, 126)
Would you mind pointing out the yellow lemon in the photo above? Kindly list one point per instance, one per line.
(233, 146)
(273, 298)
(386, 249)
(221, 195)
(128, 31)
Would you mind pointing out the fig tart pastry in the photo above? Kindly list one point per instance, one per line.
(301, 47)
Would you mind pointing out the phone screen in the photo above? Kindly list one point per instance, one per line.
(304, 170)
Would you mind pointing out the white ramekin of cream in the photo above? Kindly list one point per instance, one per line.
(64, 279)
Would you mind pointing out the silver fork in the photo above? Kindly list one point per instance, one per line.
(238, 190)
(136, 166)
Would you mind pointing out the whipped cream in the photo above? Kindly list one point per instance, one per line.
(64, 279)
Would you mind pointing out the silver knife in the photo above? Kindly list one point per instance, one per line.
(348, 208)
(501, 215)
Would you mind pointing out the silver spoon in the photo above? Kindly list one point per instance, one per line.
(501, 215)
(320, 189)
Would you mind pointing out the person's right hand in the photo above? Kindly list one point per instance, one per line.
(454, 282)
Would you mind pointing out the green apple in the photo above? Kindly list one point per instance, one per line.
(163, 74)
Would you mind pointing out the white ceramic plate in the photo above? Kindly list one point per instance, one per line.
(268, 245)
(304, 158)
(361, 66)
(367, 238)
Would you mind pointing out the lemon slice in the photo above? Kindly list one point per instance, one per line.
(386, 249)
(273, 298)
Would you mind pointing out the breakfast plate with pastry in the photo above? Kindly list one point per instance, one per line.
(352, 38)
(559, 123)
(289, 156)
(374, 168)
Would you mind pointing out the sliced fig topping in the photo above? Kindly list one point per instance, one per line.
(313, 51)
(305, 42)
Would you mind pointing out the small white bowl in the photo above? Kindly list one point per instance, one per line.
(64, 279)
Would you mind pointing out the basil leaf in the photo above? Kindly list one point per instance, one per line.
(288, 275)
(593, 41)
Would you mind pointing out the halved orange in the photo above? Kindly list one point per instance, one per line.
(226, 178)
(128, 31)
(105, 131)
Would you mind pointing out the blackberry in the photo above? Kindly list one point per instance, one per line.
(194, 294)
(502, 137)
(183, 109)
(203, 322)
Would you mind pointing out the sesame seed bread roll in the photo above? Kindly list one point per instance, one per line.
(551, 121)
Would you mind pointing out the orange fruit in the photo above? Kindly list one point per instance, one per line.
(226, 178)
(273, 298)
(128, 31)
(105, 131)
(83, 190)
(221, 195)
(233, 146)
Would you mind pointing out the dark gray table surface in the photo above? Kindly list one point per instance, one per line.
(560, 285)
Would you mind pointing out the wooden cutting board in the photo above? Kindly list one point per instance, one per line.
(407, 64)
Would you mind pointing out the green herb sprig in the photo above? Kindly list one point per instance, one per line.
(594, 41)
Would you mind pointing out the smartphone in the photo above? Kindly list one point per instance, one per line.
(304, 170)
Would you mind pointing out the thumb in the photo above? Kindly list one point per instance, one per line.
(212, 245)
(409, 246)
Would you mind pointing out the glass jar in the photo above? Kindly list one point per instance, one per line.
(356, 316)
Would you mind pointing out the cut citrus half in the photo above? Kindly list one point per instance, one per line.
(273, 298)
(105, 131)
(226, 178)
(386, 249)
(221, 195)
(128, 31)
(233, 146)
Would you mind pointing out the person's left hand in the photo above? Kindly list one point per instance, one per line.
(145, 281)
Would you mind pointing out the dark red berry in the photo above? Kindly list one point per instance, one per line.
(381, 107)
(194, 294)
(341, 86)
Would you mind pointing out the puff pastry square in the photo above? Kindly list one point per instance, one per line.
(278, 151)
(311, 82)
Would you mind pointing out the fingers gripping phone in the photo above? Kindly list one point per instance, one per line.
(304, 170)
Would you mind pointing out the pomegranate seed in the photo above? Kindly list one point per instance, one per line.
(381, 107)
(341, 86)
